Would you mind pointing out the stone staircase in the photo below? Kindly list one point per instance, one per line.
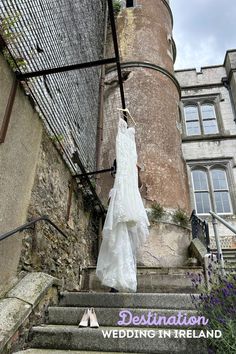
(229, 255)
(61, 333)
(150, 279)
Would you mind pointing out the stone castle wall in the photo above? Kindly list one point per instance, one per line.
(45, 249)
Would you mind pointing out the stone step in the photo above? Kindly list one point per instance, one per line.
(230, 264)
(230, 260)
(230, 267)
(108, 316)
(74, 338)
(55, 351)
(230, 255)
(127, 300)
(227, 252)
(231, 270)
(150, 280)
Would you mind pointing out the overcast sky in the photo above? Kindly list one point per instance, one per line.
(203, 31)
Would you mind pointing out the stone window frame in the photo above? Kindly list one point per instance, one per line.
(213, 99)
(207, 165)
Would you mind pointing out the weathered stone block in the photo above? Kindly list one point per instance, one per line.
(167, 246)
(24, 305)
(198, 250)
(33, 287)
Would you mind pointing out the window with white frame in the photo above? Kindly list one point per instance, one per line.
(200, 119)
(201, 191)
(211, 190)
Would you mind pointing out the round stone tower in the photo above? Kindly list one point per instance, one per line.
(152, 95)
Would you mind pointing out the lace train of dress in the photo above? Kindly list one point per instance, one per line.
(126, 225)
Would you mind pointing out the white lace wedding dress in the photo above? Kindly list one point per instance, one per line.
(126, 224)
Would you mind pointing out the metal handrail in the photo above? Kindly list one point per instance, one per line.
(200, 229)
(29, 224)
(230, 227)
(217, 238)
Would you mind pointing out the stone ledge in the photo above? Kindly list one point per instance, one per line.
(20, 301)
(13, 313)
(33, 287)
(198, 249)
(4, 288)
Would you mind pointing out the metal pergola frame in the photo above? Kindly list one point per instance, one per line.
(24, 76)
(116, 59)
(84, 176)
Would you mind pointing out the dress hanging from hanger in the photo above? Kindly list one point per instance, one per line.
(126, 225)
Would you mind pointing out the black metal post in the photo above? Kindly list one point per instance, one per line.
(95, 172)
(116, 48)
(76, 159)
(7, 115)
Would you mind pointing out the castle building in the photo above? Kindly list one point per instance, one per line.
(186, 121)
(208, 114)
(185, 134)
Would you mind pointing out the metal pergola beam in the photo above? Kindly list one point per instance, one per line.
(79, 66)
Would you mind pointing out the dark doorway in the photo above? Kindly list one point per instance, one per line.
(129, 3)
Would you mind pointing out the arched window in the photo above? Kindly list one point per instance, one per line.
(201, 191)
(192, 120)
(200, 119)
(209, 119)
(211, 190)
(220, 191)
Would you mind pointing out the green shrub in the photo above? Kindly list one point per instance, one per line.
(116, 6)
(56, 138)
(180, 217)
(7, 28)
(9, 34)
(157, 211)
